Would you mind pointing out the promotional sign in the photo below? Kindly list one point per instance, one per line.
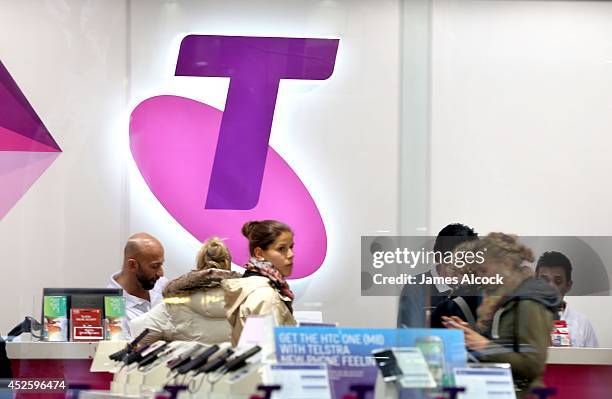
(348, 351)
(214, 170)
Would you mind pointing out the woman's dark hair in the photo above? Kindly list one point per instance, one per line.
(263, 233)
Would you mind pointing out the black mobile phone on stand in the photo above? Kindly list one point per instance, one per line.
(130, 347)
(215, 363)
(387, 364)
(241, 359)
(198, 360)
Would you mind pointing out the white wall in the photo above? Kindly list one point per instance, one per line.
(521, 101)
(69, 60)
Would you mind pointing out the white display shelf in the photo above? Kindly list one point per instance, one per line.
(585, 356)
(51, 350)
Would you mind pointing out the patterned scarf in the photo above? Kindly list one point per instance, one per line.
(265, 269)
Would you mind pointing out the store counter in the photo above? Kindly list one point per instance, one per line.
(67, 361)
(580, 372)
(575, 372)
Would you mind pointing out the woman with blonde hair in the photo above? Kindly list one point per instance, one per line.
(213, 255)
(194, 307)
(515, 317)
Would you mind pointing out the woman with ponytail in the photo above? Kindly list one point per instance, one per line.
(194, 307)
(263, 289)
(515, 318)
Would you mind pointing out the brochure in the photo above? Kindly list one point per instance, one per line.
(114, 313)
(55, 323)
(86, 324)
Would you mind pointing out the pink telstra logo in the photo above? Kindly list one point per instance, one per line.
(215, 170)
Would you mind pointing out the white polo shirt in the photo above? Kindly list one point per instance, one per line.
(582, 333)
(135, 306)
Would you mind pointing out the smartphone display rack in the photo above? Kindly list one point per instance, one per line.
(209, 372)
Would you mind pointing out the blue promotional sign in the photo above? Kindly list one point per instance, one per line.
(348, 351)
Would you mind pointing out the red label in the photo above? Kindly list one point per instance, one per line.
(560, 335)
(86, 324)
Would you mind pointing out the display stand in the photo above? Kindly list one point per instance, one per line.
(154, 379)
(134, 382)
(385, 389)
(101, 362)
(238, 384)
(299, 380)
(392, 390)
(118, 385)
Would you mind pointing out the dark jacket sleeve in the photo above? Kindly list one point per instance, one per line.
(447, 308)
(5, 363)
(533, 338)
(411, 312)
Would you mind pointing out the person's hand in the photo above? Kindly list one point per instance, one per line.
(473, 340)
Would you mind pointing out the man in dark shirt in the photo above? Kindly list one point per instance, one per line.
(415, 300)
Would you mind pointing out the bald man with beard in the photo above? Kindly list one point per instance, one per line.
(141, 276)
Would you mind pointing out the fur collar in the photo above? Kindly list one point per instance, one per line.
(197, 281)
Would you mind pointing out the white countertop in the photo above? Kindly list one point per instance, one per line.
(586, 356)
(51, 350)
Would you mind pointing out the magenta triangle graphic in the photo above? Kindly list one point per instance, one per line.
(11, 141)
(17, 115)
(18, 171)
(27, 148)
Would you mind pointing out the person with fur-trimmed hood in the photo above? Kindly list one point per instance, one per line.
(193, 308)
